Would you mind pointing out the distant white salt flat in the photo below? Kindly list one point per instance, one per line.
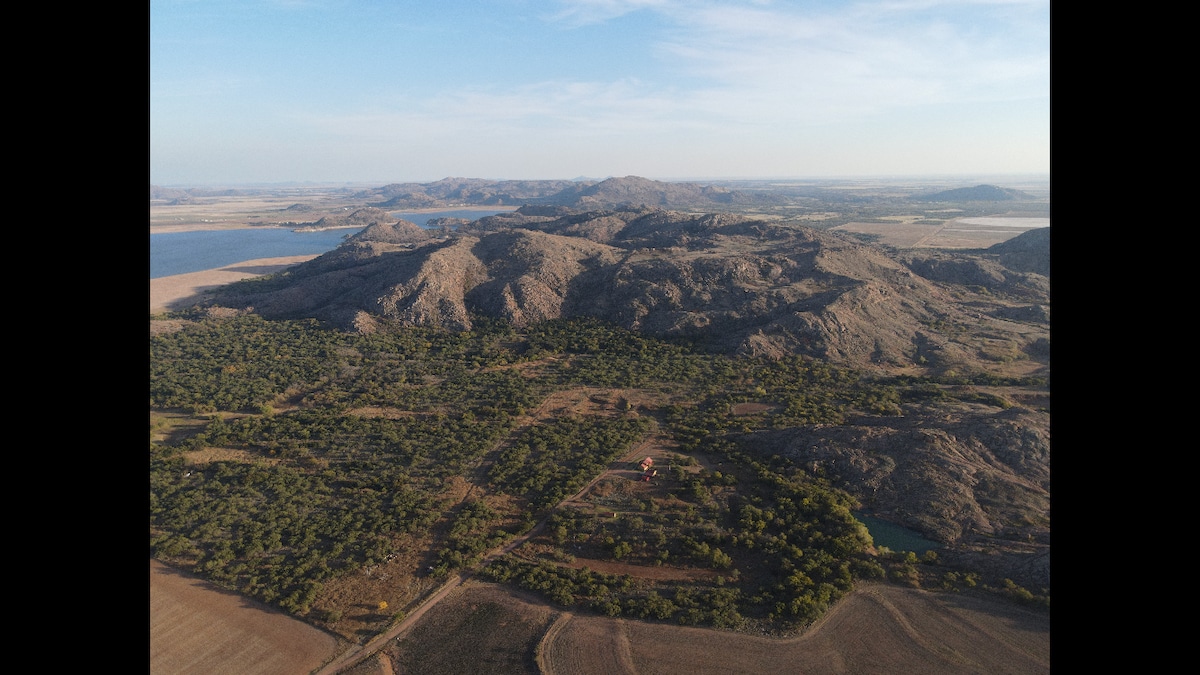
(1027, 223)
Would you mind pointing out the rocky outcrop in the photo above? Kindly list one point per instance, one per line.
(971, 477)
(530, 274)
(358, 218)
(398, 232)
(979, 271)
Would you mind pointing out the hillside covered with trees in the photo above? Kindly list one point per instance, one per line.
(293, 463)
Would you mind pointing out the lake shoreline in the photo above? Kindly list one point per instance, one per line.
(183, 290)
(171, 228)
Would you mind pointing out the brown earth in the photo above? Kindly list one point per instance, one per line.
(196, 627)
(486, 628)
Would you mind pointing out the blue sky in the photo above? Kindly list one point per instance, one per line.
(356, 91)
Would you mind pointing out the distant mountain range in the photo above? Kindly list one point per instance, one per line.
(583, 194)
(630, 191)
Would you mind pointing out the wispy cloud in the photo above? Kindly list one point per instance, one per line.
(747, 65)
(884, 52)
(585, 12)
(731, 83)
(548, 109)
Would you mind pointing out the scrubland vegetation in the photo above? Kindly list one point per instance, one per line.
(342, 450)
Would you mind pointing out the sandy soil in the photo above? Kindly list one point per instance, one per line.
(197, 628)
(181, 290)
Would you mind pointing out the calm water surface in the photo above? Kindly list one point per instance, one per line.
(182, 252)
(895, 537)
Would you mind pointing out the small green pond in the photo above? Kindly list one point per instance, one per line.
(895, 537)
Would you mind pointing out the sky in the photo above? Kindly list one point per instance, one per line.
(385, 91)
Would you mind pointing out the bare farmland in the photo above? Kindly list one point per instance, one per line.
(878, 628)
(197, 628)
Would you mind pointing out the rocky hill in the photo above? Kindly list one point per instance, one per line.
(628, 191)
(458, 191)
(352, 219)
(1026, 252)
(633, 191)
(385, 231)
(732, 283)
(972, 477)
(979, 193)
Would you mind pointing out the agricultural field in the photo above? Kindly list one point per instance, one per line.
(906, 232)
(877, 628)
(196, 627)
(487, 628)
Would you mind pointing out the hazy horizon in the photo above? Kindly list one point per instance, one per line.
(339, 92)
(891, 178)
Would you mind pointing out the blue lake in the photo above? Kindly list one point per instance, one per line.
(182, 252)
(895, 537)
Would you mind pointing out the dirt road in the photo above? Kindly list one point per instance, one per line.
(356, 655)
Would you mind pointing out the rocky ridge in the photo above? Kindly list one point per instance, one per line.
(734, 283)
(627, 191)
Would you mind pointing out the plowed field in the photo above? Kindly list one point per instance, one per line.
(876, 629)
(196, 628)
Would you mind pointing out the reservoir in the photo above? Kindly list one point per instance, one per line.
(182, 252)
(895, 537)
